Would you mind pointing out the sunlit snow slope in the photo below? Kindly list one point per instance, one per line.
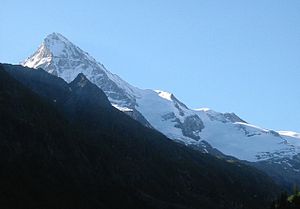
(223, 131)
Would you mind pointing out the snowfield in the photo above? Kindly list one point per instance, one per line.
(224, 131)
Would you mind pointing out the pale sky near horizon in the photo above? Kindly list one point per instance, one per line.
(231, 56)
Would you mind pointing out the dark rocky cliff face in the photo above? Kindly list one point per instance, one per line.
(191, 126)
(232, 117)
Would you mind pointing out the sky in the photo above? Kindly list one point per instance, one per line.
(231, 56)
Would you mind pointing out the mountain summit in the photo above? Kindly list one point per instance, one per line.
(204, 129)
(58, 56)
(55, 46)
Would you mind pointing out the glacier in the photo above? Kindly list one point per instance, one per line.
(226, 132)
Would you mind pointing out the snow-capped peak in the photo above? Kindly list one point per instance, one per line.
(60, 57)
(223, 131)
(58, 45)
(57, 36)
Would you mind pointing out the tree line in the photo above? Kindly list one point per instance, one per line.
(286, 201)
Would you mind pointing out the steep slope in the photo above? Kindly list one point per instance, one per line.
(60, 57)
(42, 163)
(161, 110)
(70, 152)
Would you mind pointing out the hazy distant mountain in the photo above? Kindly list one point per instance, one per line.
(202, 128)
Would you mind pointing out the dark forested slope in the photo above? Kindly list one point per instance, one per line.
(64, 146)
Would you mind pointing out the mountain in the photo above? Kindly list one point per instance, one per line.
(64, 146)
(203, 129)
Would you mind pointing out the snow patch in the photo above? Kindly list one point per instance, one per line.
(123, 109)
(164, 94)
(289, 133)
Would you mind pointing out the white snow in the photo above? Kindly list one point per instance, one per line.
(164, 94)
(59, 56)
(204, 109)
(123, 109)
(289, 133)
(155, 109)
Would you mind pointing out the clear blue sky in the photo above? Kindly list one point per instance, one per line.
(232, 56)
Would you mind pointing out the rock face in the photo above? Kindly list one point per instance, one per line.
(161, 110)
(191, 126)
